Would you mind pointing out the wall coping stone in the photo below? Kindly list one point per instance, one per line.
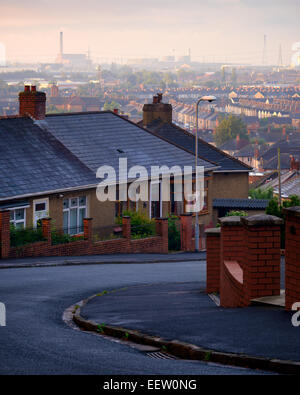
(213, 231)
(230, 221)
(295, 211)
(262, 220)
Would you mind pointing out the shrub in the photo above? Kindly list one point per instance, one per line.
(274, 209)
(141, 225)
(19, 237)
(236, 213)
(63, 238)
(261, 194)
(173, 233)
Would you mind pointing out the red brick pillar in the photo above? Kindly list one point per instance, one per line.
(292, 256)
(126, 227)
(262, 256)
(5, 233)
(126, 232)
(232, 245)
(232, 239)
(46, 228)
(161, 227)
(87, 229)
(186, 230)
(213, 251)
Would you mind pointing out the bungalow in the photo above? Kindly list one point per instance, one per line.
(49, 164)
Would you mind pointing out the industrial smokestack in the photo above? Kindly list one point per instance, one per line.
(61, 43)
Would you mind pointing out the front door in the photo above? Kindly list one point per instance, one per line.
(40, 210)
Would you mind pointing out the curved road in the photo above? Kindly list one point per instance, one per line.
(37, 341)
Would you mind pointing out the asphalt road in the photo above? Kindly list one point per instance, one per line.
(37, 341)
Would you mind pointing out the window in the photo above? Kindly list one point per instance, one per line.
(155, 207)
(74, 211)
(18, 218)
(121, 206)
(205, 202)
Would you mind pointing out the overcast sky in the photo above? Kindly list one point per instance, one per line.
(220, 30)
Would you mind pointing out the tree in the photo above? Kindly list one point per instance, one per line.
(229, 128)
(111, 106)
(261, 194)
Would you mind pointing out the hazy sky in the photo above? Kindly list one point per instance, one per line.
(220, 30)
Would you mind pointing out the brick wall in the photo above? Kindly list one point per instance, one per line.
(262, 255)
(155, 244)
(249, 265)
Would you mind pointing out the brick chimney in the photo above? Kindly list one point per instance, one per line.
(32, 103)
(157, 110)
(54, 92)
(294, 164)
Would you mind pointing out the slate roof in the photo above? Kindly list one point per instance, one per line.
(249, 204)
(290, 187)
(234, 144)
(33, 161)
(101, 138)
(64, 151)
(181, 137)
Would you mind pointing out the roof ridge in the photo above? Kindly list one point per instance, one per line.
(212, 147)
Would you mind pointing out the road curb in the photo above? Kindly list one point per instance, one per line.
(185, 350)
(16, 266)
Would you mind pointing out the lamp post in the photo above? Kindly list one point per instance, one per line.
(208, 99)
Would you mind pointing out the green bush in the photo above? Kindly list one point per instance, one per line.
(261, 194)
(63, 238)
(141, 225)
(173, 233)
(274, 209)
(20, 237)
(236, 213)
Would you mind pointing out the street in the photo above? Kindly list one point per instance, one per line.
(37, 341)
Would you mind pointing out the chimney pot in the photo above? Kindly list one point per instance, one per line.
(33, 88)
(155, 99)
(26, 88)
(116, 111)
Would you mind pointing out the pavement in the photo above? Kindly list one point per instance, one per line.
(36, 340)
(101, 259)
(184, 312)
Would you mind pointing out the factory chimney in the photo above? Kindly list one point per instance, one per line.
(61, 51)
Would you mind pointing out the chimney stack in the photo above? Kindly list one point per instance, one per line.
(32, 103)
(61, 49)
(294, 163)
(157, 110)
(116, 110)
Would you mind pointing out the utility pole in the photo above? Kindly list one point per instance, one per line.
(279, 179)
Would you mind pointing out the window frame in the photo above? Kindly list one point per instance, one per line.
(78, 207)
(14, 221)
